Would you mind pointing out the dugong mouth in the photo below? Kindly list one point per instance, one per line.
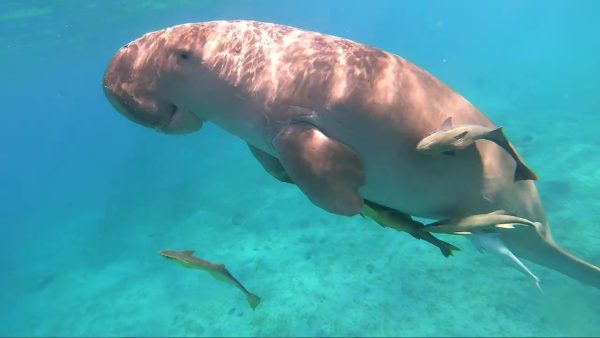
(181, 122)
(161, 116)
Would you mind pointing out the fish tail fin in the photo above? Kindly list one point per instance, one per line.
(253, 300)
(496, 135)
(522, 172)
(446, 248)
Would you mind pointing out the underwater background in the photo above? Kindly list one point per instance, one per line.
(88, 198)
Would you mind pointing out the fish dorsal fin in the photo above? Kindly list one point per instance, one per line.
(447, 124)
(188, 252)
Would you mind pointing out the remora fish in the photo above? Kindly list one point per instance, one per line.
(469, 224)
(449, 139)
(491, 243)
(390, 218)
(217, 270)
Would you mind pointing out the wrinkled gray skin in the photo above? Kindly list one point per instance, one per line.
(339, 119)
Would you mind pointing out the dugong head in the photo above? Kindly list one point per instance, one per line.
(149, 80)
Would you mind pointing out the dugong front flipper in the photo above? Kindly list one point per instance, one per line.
(271, 164)
(328, 172)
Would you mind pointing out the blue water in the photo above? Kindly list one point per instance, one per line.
(88, 198)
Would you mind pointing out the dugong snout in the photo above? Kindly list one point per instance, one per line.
(133, 85)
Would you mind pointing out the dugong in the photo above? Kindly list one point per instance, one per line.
(339, 119)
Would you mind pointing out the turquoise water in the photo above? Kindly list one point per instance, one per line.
(88, 198)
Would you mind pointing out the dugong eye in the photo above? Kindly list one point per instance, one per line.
(183, 54)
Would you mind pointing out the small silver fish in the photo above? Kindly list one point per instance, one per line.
(217, 270)
(491, 243)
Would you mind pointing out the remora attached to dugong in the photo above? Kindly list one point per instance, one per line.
(490, 221)
(339, 119)
(390, 218)
(449, 139)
